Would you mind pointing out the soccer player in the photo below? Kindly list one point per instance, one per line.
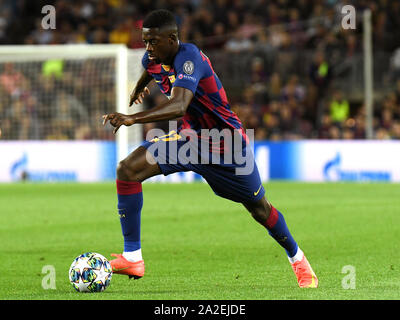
(185, 75)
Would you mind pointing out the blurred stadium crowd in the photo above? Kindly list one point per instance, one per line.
(284, 65)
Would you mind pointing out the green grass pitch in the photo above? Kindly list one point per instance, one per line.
(199, 246)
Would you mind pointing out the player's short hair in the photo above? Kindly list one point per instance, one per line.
(159, 19)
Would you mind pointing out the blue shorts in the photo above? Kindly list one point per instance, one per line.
(228, 179)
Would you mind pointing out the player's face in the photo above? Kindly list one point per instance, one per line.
(159, 45)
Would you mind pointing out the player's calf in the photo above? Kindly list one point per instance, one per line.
(265, 214)
(269, 217)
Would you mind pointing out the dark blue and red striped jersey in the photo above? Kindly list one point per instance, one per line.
(192, 70)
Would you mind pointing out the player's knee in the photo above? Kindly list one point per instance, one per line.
(259, 215)
(259, 210)
(126, 172)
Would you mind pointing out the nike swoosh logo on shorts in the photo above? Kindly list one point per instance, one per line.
(256, 193)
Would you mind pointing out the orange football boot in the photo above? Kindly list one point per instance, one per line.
(305, 275)
(122, 266)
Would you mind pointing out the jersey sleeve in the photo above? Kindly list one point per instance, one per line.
(189, 69)
(145, 60)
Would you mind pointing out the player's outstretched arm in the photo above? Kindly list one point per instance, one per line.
(141, 89)
(173, 108)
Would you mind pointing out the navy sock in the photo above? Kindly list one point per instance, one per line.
(130, 202)
(277, 228)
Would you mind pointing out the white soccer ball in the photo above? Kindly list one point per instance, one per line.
(90, 272)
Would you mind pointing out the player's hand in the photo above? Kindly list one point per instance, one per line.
(137, 98)
(117, 120)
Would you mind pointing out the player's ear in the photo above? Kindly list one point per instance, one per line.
(173, 37)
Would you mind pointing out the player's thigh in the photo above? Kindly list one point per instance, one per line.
(226, 182)
(138, 166)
